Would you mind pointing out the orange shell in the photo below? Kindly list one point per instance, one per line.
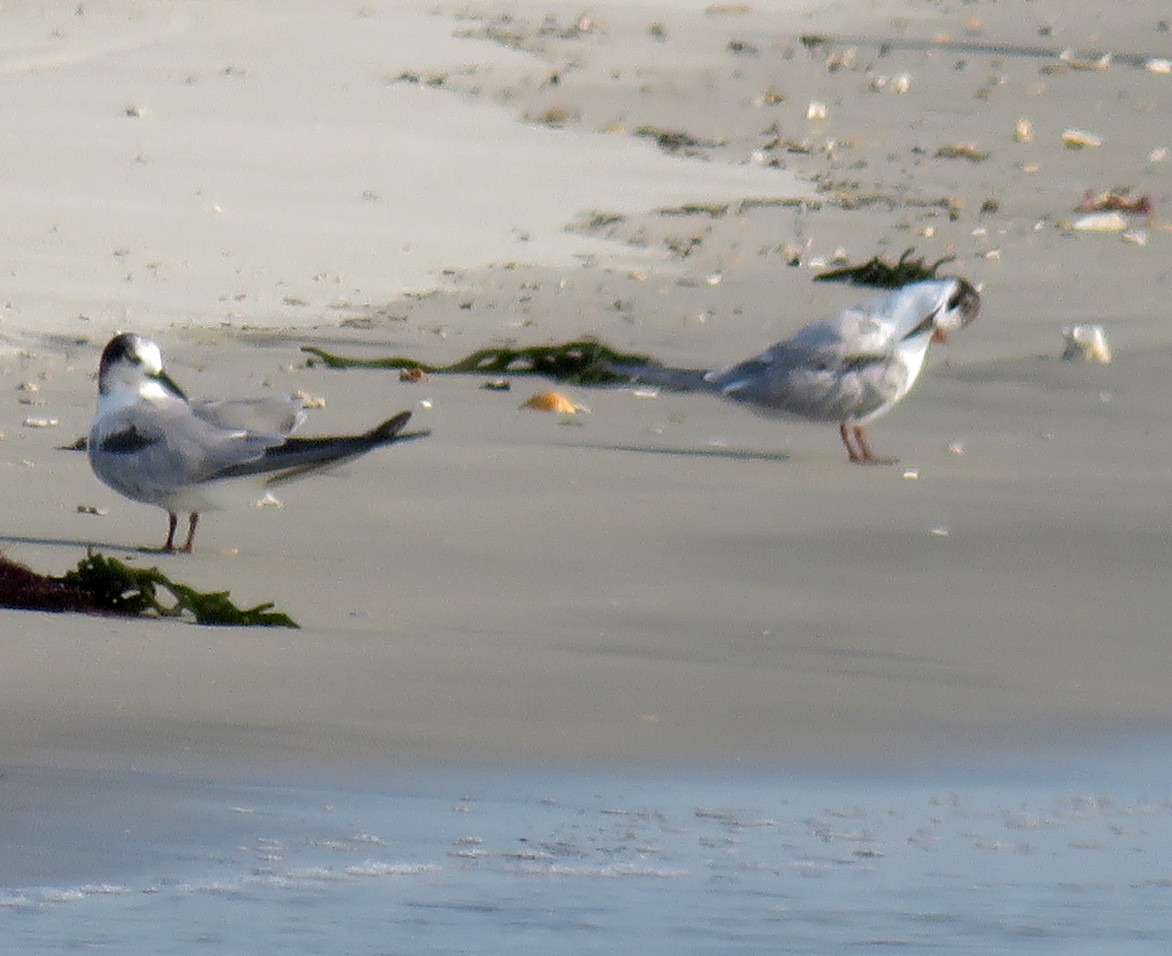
(551, 402)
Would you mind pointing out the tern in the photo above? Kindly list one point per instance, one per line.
(151, 444)
(847, 370)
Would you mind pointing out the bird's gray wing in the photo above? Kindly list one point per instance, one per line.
(829, 371)
(275, 415)
(158, 448)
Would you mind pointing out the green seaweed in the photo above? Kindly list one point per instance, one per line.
(582, 362)
(882, 274)
(117, 588)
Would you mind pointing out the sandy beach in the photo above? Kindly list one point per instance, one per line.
(666, 580)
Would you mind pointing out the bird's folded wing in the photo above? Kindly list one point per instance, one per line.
(271, 415)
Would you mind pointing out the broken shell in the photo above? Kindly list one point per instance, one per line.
(552, 402)
(497, 385)
(1158, 65)
(310, 401)
(40, 422)
(1023, 132)
(817, 111)
(412, 375)
(1080, 139)
(902, 83)
(269, 500)
(1089, 341)
(1137, 237)
(1100, 222)
(90, 510)
(1075, 63)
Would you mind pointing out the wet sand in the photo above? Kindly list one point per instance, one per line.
(665, 580)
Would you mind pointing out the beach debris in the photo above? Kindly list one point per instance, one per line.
(1100, 222)
(1023, 132)
(91, 510)
(1088, 342)
(583, 361)
(1159, 155)
(881, 274)
(1068, 58)
(1116, 200)
(963, 151)
(268, 500)
(817, 111)
(1158, 65)
(1080, 139)
(310, 401)
(40, 423)
(103, 585)
(497, 385)
(412, 375)
(902, 83)
(675, 140)
(1137, 237)
(552, 402)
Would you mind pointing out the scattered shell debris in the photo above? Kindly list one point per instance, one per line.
(497, 385)
(911, 474)
(939, 532)
(412, 375)
(1023, 132)
(1080, 139)
(553, 402)
(956, 448)
(1158, 65)
(310, 401)
(269, 500)
(40, 423)
(1087, 341)
(90, 510)
(1116, 199)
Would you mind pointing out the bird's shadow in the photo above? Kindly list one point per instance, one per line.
(12, 539)
(731, 454)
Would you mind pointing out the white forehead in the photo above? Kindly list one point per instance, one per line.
(150, 355)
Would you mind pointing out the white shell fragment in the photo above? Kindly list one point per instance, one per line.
(1080, 139)
(1100, 222)
(1023, 132)
(817, 111)
(310, 401)
(1080, 63)
(40, 423)
(1087, 341)
(1158, 65)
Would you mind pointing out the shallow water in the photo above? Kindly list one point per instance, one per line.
(1067, 857)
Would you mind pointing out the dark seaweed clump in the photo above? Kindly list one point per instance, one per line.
(581, 362)
(885, 275)
(103, 585)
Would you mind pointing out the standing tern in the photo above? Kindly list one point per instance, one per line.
(150, 443)
(847, 370)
